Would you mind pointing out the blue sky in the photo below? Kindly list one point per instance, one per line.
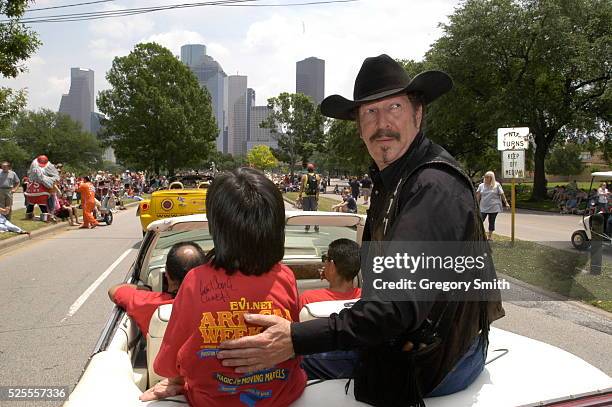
(260, 42)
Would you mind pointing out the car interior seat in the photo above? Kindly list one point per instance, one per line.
(176, 185)
(324, 309)
(157, 328)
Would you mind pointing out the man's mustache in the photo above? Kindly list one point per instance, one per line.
(384, 133)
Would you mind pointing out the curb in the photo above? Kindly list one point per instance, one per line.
(558, 297)
(18, 239)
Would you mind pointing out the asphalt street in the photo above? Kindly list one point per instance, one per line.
(43, 342)
(48, 328)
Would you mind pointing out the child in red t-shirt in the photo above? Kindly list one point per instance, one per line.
(246, 218)
(139, 303)
(340, 267)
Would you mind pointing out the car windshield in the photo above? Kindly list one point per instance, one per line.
(299, 245)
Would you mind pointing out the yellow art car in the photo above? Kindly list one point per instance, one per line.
(184, 196)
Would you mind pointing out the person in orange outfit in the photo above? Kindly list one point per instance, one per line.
(88, 200)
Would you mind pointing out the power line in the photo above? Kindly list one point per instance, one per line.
(69, 5)
(127, 11)
(97, 15)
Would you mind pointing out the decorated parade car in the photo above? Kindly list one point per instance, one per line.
(185, 195)
(519, 371)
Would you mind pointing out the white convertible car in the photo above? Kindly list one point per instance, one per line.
(519, 371)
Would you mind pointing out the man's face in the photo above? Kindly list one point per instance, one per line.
(388, 127)
(5, 167)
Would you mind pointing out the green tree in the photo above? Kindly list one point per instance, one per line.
(297, 125)
(224, 162)
(158, 116)
(542, 64)
(261, 157)
(57, 136)
(17, 156)
(564, 159)
(17, 43)
(344, 149)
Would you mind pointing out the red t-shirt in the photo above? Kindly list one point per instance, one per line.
(325, 294)
(140, 304)
(209, 309)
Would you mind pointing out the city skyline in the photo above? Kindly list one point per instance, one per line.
(262, 43)
(310, 78)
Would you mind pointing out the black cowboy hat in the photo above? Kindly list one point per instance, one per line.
(380, 77)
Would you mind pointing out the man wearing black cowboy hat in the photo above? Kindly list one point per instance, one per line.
(420, 194)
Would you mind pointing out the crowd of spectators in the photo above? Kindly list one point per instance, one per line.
(571, 199)
(55, 191)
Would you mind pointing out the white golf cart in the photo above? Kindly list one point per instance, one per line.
(581, 239)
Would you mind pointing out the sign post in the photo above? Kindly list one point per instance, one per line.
(513, 142)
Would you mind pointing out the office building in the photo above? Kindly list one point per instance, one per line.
(211, 76)
(79, 102)
(250, 104)
(260, 136)
(310, 78)
(237, 114)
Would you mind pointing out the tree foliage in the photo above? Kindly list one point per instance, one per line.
(17, 43)
(261, 157)
(564, 159)
(57, 136)
(157, 115)
(540, 64)
(297, 125)
(345, 149)
(224, 162)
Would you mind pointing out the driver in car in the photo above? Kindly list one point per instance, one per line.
(140, 303)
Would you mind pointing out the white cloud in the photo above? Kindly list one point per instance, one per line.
(272, 46)
(263, 43)
(106, 49)
(122, 28)
(173, 40)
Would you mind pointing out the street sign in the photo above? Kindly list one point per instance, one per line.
(513, 138)
(513, 164)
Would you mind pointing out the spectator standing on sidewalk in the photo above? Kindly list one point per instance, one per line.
(366, 188)
(309, 187)
(602, 197)
(491, 199)
(354, 184)
(9, 181)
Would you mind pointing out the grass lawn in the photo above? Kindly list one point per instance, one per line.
(559, 271)
(325, 204)
(18, 218)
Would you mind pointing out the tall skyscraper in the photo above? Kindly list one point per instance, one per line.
(250, 104)
(79, 102)
(193, 54)
(237, 114)
(210, 76)
(310, 78)
(260, 136)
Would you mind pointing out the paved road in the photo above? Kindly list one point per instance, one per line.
(40, 344)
